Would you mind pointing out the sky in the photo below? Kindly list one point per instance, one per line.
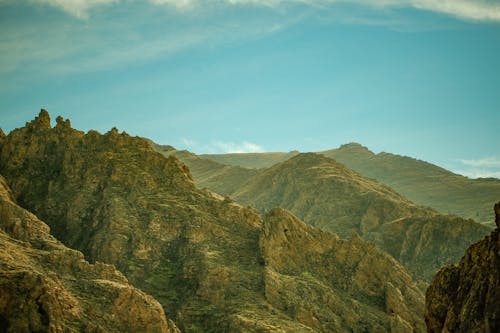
(419, 78)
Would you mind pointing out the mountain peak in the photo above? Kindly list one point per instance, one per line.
(42, 120)
(354, 146)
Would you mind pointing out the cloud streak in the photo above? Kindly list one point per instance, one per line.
(480, 168)
(484, 162)
(478, 10)
(217, 147)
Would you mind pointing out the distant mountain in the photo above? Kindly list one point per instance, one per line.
(326, 194)
(47, 287)
(422, 182)
(466, 297)
(220, 178)
(251, 160)
(214, 265)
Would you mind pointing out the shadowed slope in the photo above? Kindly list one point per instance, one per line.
(117, 200)
(45, 286)
(326, 194)
(422, 182)
(466, 297)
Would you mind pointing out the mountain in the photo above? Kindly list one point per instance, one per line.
(326, 194)
(251, 160)
(47, 287)
(209, 261)
(466, 297)
(335, 285)
(220, 178)
(422, 182)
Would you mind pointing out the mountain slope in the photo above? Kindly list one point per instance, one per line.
(45, 286)
(335, 285)
(466, 297)
(220, 178)
(422, 182)
(328, 195)
(118, 201)
(251, 160)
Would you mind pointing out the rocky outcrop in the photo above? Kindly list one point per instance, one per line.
(422, 182)
(330, 196)
(497, 214)
(118, 201)
(466, 297)
(46, 287)
(335, 285)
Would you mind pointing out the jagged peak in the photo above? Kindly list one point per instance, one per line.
(42, 120)
(61, 123)
(354, 146)
(2, 134)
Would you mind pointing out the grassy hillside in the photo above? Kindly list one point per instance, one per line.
(424, 183)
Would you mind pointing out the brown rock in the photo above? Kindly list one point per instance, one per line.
(466, 297)
(47, 287)
(497, 214)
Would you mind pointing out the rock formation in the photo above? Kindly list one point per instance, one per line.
(46, 287)
(326, 194)
(203, 257)
(497, 214)
(335, 285)
(466, 297)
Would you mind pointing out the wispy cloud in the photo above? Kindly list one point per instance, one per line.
(478, 10)
(483, 167)
(484, 162)
(217, 147)
(77, 8)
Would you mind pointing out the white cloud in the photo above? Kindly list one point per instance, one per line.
(478, 10)
(77, 8)
(483, 167)
(218, 147)
(478, 173)
(243, 147)
(484, 162)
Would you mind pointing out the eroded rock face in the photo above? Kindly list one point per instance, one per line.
(466, 297)
(46, 287)
(206, 259)
(334, 285)
(326, 194)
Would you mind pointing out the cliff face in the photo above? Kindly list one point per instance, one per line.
(328, 195)
(46, 287)
(203, 257)
(335, 285)
(466, 297)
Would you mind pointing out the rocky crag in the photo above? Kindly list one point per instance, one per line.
(206, 259)
(46, 287)
(466, 297)
(421, 182)
(326, 194)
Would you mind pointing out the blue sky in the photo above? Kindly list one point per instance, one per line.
(413, 77)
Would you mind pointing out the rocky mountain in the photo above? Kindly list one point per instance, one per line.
(326, 194)
(220, 178)
(466, 297)
(209, 261)
(422, 182)
(47, 287)
(335, 285)
(251, 160)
